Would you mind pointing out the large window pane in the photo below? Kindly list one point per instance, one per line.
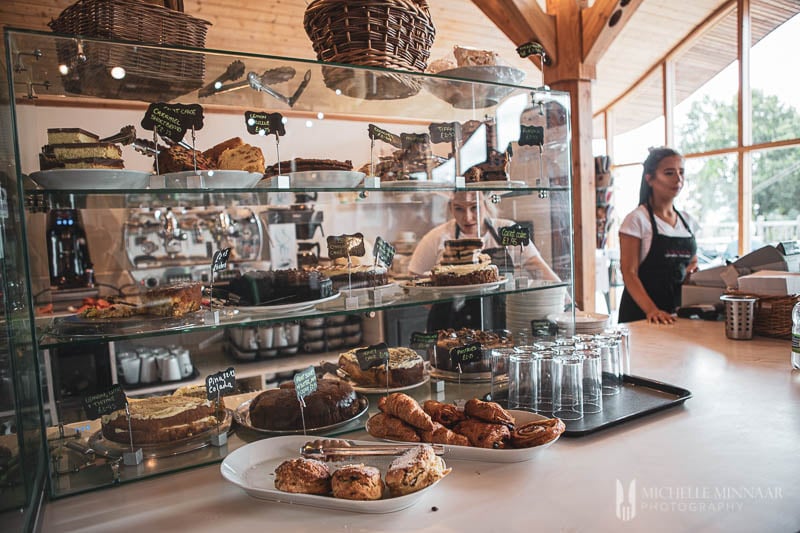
(776, 189)
(639, 121)
(706, 81)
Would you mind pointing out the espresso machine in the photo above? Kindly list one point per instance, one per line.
(71, 272)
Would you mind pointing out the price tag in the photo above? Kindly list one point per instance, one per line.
(173, 120)
(423, 341)
(384, 252)
(531, 135)
(374, 355)
(220, 383)
(515, 235)
(467, 353)
(346, 245)
(407, 140)
(376, 133)
(543, 329)
(262, 123)
(529, 49)
(305, 382)
(445, 132)
(103, 403)
(220, 260)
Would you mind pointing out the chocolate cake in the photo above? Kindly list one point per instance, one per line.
(357, 276)
(179, 159)
(160, 419)
(334, 401)
(302, 165)
(450, 338)
(463, 263)
(405, 368)
(173, 300)
(262, 287)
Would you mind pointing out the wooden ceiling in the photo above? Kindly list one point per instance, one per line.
(655, 28)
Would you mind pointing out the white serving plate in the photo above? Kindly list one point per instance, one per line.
(91, 178)
(286, 308)
(497, 187)
(315, 179)
(215, 179)
(425, 290)
(488, 455)
(251, 467)
(416, 184)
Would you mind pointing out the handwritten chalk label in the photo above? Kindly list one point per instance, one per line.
(384, 251)
(444, 132)
(262, 123)
(220, 383)
(173, 120)
(377, 134)
(529, 49)
(423, 341)
(543, 329)
(467, 353)
(407, 140)
(346, 245)
(305, 382)
(374, 355)
(515, 235)
(103, 403)
(531, 135)
(220, 260)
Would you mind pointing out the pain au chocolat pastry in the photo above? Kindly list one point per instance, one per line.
(484, 435)
(303, 476)
(443, 435)
(406, 409)
(488, 412)
(537, 433)
(357, 482)
(444, 413)
(416, 469)
(385, 426)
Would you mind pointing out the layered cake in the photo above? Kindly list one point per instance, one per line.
(173, 300)
(463, 263)
(262, 287)
(334, 401)
(405, 368)
(160, 419)
(70, 136)
(303, 165)
(450, 338)
(78, 148)
(357, 276)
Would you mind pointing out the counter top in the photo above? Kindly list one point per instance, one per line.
(726, 460)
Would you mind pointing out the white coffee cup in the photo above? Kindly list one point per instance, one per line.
(170, 369)
(184, 360)
(149, 370)
(265, 337)
(129, 368)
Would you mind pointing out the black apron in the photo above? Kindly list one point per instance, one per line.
(662, 272)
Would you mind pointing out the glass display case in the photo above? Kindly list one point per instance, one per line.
(370, 174)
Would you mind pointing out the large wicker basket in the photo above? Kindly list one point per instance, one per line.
(773, 317)
(152, 74)
(395, 34)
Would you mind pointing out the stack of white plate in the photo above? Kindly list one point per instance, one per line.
(585, 323)
(521, 308)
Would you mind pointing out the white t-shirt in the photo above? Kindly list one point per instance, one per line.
(637, 224)
(432, 243)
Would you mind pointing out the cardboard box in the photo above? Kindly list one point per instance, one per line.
(770, 283)
(696, 294)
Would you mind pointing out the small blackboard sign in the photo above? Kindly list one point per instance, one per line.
(543, 329)
(407, 140)
(531, 135)
(423, 341)
(346, 245)
(305, 382)
(466, 353)
(173, 120)
(529, 49)
(103, 403)
(378, 134)
(384, 251)
(444, 132)
(515, 235)
(220, 260)
(374, 355)
(220, 383)
(262, 123)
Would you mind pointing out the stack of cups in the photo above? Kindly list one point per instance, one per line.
(592, 380)
(609, 347)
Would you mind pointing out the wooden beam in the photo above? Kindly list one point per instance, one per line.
(598, 30)
(522, 21)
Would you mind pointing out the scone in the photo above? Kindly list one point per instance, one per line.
(357, 482)
(304, 476)
(416, 469)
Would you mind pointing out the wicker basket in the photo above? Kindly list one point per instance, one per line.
(152, 74)
(773, 315)
(396, 34)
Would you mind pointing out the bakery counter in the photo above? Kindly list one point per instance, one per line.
(724, 460)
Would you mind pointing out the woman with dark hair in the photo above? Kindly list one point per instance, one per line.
(657, 244)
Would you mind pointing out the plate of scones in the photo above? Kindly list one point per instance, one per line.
(273, 469)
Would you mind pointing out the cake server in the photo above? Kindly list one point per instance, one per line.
(341, 449)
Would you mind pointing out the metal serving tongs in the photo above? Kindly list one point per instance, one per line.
(335, 449)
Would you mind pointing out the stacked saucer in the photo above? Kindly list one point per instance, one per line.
(585, 323)
(521, 308)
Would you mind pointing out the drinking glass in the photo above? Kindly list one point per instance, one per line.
(568, 387)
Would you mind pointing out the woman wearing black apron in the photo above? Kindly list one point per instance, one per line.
(664, 237)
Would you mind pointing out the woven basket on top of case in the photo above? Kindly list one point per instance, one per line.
(394, 34)
(773, 315)
(152, 74)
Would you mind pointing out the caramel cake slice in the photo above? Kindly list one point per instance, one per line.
(160, 419)
(70, 136)
(83, 150)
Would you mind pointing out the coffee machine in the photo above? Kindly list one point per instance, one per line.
(67, 251)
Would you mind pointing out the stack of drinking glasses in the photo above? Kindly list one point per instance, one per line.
(565, 378)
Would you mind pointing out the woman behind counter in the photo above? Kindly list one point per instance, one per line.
(657, 244)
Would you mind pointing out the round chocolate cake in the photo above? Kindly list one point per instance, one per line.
(450, 338)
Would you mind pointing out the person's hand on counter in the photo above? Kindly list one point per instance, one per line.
(657, 316)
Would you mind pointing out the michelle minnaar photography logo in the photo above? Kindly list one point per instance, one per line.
(632, 499)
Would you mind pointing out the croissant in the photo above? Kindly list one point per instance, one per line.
(446, 414)
(537, 433)
(406, 409)
(484, 435)
(385, 426)
(488, 412)
(443, 435)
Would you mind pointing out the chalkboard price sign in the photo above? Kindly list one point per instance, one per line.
(220, 383)
(346, 245)
(444, 132)
(261, 123)
(531, 136)
(467, 353)
(407, 140)
(515, 235)
(529, 49)
(384, 251)
(173, 120)
(375, 355)
(378, 134)
(305, 382)
(220, 260)
(103, 403)
(423, 341)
